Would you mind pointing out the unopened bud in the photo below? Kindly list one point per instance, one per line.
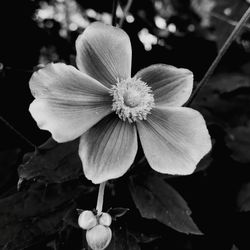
(87, 220)
(99, 237)
(105, 219)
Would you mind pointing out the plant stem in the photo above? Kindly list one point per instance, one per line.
(221, 53)
(100, 197)
(114, 8)
(18, 133)
(125, 12)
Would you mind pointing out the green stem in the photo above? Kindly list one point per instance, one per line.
(100, 197)
(221, 53)
(17, 132)
(114, 8)
(125, 12)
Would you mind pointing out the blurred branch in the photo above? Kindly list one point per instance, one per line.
(221, 53)
(17, 132)
(125, 12)
(114, 8)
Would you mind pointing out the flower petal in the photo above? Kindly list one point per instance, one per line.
(171, 86)
(104, 52)
(67, 102)
(108, 149)
(174, 139)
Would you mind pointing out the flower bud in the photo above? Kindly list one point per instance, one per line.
(99, 237)
(105, 219)
(87, 220)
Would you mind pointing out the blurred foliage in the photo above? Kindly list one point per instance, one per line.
(41, 190)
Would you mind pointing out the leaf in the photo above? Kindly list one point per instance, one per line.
(53, 162)
(8, 169)
(204, 163)
(28, 217)
(71, 217)
(234, 248)
(238, 140)
(145, 238)
(122, 239)
(117, 212)
(155, 199)
(225, 100)
(243, 201)
(225, 15)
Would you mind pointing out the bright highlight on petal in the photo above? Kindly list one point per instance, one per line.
(108, 149)
(174, 140)
(132, 99)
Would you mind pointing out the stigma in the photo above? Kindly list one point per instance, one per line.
(132, 99)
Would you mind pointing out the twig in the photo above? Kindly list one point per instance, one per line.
(221, 53)
(125, 12)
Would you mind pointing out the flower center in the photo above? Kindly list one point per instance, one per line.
(132, 99)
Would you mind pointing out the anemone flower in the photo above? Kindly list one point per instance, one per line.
(103, 105)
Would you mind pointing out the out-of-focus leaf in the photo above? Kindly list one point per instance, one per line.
(226, 83)
(238, 140)
(28, 217)
(155, 199)
(225, 100)
(225, 15)
(203, 8)
(234, 248)
(53, 162)
(122, 239)
(243, 200)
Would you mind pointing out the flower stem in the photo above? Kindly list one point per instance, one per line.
(114, 8)
(100, 197)
(221, 53)
(17, 133)
(125, 12)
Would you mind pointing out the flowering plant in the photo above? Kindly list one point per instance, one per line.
(105, 107)
(128, 130)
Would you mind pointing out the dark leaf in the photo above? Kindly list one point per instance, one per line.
(225, 15)
(122, 239)
(71, 217)
(155, 199)
(234, 248)
(8, 168)
(204, 163)
(238, 140)
(244, 198)
(145, 238)
(30, 216)
(117, 212)
(53, 162)
(225, 100)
